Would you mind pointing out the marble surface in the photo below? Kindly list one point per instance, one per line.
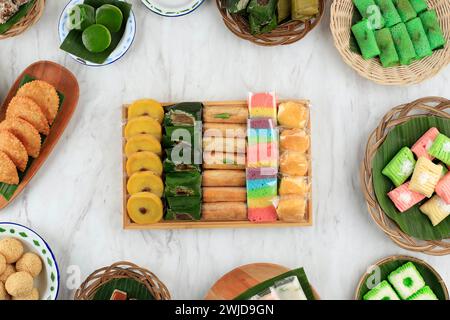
(75, 201)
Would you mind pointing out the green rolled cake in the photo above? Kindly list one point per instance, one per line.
(419, 38)
(400, 168)
(363, 7)
(419, 5)
(183, 208)
(388, 54)
(403, 44)
(440, 149)
(366, 39)
(389, 12)
(432, 28)
(405, 10)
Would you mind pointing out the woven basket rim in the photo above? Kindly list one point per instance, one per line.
(120, 270)
(417, 72)
(285, 34)
(403, 257)
(426, 106)
(33, 16)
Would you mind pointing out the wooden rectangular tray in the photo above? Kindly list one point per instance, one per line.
(128, 224)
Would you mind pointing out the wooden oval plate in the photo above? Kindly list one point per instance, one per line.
(243, 278)
(389, 264)
(65, 83)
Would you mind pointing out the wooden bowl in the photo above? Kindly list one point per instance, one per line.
(27, 21)
(401, 258)
(286, 33)
(64, 82)
(341, 23)
(427, 106)
(121, 270)
(243, 278)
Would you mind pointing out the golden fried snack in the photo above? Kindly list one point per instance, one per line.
(14, 149)
(225, 114)
(28, 110)
(8, 171)
(25, 132)
(223, 178)
(224, 194)
(44, 94)
(224, 211)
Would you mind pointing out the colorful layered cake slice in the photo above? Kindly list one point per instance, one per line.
(406, 280)
(433, 29)
(400, 167)
(443, 188)
(403, 198)
(262, 105)
(440, 148)
(383, 291)
(419, 38)
(436, 209)
(261, 194)
(262, 150)
(425, 177)
(423, 294)
(421, 147)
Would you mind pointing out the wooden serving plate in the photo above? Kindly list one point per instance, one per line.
(243, 278)
(166, 224)
(64, 82)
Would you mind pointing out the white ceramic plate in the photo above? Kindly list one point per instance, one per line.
(172, 8)
(122, 47)
(48, 281)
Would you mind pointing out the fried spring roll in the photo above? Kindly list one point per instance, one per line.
(231, 145)
(225, 114)
(224, 194)
(223, 178)
(221, 160)
(226, 130)
(224, 211)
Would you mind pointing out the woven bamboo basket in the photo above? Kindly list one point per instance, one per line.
(286, 33)
(399, 257)
(121, 270)
(433, 106)
(30, 19)
(419, 71)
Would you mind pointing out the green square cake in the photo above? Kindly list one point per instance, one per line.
(406, 280)
(440, 149)
(388, 54)
(366, 40)
(383, 291)
(432, 28)
(424, 294)
(403, 44)
(419, 5)
(405, 10)
(389, 12)
(419, 38)
(400, 168)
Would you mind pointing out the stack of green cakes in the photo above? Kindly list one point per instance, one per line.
(399, 32)
(182, 142)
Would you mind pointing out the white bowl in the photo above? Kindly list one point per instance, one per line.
(47, 282)
(172, 8)
(122, 48)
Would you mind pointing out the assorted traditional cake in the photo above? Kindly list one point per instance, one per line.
(399, 32)
(429, 177)
(404, 283)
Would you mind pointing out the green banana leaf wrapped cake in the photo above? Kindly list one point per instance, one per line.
(304, 9)
(180, 184)
(183, 114)
(388, 54)
(237, 6)
(403, 44)
(419, 38)
(188, 136)
(183, 208)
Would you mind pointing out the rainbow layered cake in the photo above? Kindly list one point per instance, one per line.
(262, 105)
(262, 150)
(262, 194)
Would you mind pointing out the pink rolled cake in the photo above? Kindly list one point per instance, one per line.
(443, 188)
(420, 148)
(403, 198)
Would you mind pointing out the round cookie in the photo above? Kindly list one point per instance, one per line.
(12, 249)
(34, 295)
(2, 263)
(8, 271)
(31, 263)
(3, 294)
(19, 284)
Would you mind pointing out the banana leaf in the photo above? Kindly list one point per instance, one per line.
(180, 184)
(184, 208)
(133, 288)
(23, 11)
(7, 190)
(183, 114)
(191, 136)
(386, 268)
(413, 222)
(73, 43)
(299, 273)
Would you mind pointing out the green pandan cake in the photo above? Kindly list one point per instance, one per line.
(440, 149)
(406, 280)
(382, 291)
(424, 294)
(400, 167)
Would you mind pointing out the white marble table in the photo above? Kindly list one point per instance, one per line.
(75, 200)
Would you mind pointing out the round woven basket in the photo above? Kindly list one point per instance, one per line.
(341, 23)
(286, 33)
(399, 257)
(121, 270)
(432, 106)
(30, 19)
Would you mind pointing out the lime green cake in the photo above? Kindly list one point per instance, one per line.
(405, 10)
(432, 28)
(383, 291)
(423, 294)
(389, 12)
(366, 39)
(400, 168)
(388, 54)
(403, 44)
(440, 149)
(419, 5)
(406, 280)
(419, 38)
